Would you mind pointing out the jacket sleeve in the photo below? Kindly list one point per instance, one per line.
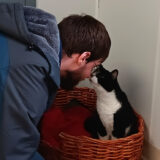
(25, 100)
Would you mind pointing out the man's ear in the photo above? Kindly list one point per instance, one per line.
(82, 59)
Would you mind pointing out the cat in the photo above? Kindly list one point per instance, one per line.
(114, 117)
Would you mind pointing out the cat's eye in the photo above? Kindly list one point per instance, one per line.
(101, 76)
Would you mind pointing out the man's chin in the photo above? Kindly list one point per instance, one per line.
(68, 86)
(69, 81)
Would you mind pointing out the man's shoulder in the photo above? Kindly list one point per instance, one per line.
(23, 54)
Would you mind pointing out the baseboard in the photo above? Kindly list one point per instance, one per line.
(150, 152)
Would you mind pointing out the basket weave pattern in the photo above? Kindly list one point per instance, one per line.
(85, 148)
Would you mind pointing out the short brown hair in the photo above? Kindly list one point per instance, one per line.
(80, 33)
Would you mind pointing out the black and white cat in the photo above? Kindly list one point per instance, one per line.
(114, 117)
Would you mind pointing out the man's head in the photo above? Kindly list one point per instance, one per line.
(85, 43)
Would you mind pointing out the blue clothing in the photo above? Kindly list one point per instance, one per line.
(29, 77)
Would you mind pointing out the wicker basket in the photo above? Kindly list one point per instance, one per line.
(85, 148)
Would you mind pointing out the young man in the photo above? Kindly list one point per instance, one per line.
(31, 69)
(86, 44)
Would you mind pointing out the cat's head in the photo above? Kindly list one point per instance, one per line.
(101, 77)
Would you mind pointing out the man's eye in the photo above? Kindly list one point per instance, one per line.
(94, 69)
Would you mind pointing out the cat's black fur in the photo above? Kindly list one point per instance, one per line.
(123, 117)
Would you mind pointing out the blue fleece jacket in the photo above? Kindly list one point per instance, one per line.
(29, 77)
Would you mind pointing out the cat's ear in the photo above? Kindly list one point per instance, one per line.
(114, 74)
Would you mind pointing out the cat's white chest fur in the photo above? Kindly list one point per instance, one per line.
(107, 105)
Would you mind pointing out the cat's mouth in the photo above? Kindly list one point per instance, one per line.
(93, 80)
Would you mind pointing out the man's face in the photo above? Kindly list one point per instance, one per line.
(72, 78)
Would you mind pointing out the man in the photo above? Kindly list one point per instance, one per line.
(86, 44)
(31, 67)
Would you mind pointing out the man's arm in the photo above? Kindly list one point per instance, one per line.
(25, 100)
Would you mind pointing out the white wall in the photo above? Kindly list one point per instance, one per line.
(155, 114)
(63, 8)
(134, 27)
